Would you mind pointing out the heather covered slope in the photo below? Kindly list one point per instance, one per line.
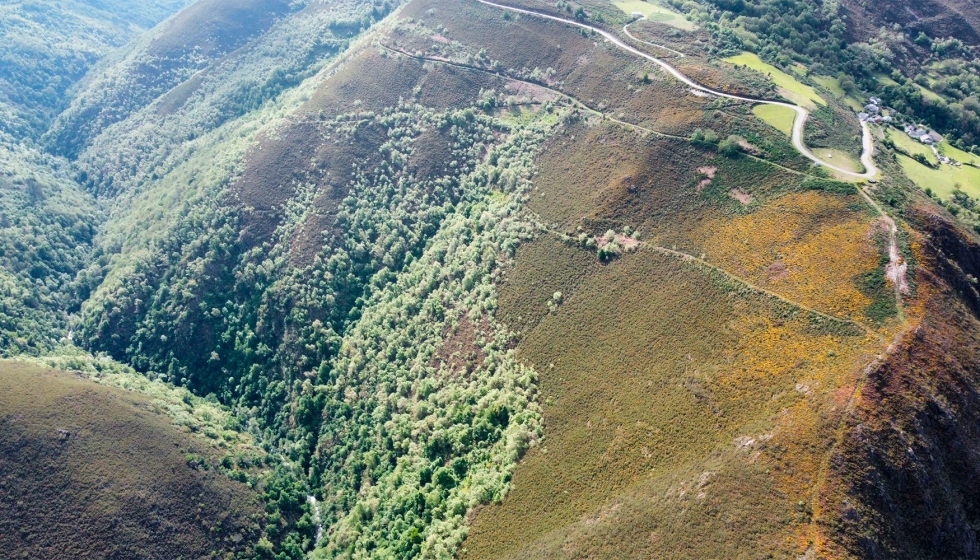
(91, 471)
(909, 441)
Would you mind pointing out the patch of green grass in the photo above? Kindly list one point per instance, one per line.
(958, 154)
(833, 86)
(789, 87)
(943, 181)
(885, 80)
(655, 12)
(839, 158)
(830, 84)
(875, 286)
(910, 146)
(928, 93)
(779, 117)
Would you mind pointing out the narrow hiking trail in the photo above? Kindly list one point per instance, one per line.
(659, 46)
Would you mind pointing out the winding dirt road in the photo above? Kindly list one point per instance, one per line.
(801, 113)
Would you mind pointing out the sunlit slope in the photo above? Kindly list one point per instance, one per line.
(678, 378)
(449, 236)
(95, 472)
(671, 398)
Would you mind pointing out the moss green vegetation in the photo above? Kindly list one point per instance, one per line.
(656, 12)
(835, 128)
(830, 84)
(945, 180)
(49, 47)
(834, 86)
(776, 116)
(109, 464)
(789, 87)
(913, 148)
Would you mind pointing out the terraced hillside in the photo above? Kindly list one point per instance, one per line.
(512, 280)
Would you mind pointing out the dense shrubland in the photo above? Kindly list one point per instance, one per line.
(284, 345)
(413, 438)
(47, 226)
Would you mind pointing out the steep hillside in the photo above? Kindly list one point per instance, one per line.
(520, 280)
(94, 472)
(48, 47)
(47, 221)
(47, 225)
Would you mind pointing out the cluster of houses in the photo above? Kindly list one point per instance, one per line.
(928, 137)
(873, 114)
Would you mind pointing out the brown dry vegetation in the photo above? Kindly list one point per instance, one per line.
(88, 471)
(902, 482)
(309, 150)
(654, 373)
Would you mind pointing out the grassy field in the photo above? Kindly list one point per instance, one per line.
(656, 12)
(840, 158)
(907, 144)
(830, 84)
(789, 86)
(833, 86)
(957, 154)
(779, 117)
(943, 181)
(91, 471)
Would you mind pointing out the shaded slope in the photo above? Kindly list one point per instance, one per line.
(188, 43)
(47, 227)
(48, 47)
(94, 472)
(903, 480)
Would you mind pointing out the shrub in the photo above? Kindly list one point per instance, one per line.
(704, 138)
(730, 147)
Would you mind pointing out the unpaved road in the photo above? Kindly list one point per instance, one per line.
(801, 113)
(896, 269)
